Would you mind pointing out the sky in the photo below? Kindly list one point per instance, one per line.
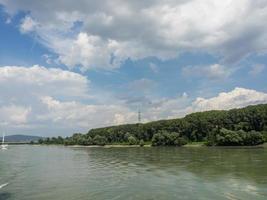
(69, 66)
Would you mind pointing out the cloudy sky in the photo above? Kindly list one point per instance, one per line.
(67, 66)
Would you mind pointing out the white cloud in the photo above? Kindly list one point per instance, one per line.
(256, 69)
(13, 115)
(215, 71)
(113, 31)
(54, 101)
(73, 113)
(40, 80)
(22, 87)
(180, 106)
(28, 25)
(237, 98)
(88, 51)
(92, 51)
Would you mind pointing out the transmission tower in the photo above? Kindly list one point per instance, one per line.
(139, 116)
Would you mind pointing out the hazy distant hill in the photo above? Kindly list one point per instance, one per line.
(21, 138)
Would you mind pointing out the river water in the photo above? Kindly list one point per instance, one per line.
(65, 173)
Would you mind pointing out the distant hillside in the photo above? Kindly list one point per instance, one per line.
(235, 127)
(21, 138)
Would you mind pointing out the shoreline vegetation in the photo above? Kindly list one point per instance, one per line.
(194, 145)
(234, 128)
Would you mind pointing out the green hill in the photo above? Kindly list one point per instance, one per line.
(244, 126)
(21, 138)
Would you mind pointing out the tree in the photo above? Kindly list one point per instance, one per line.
(164, 138)
(158, 140)
(132, 140)
(225, 137)
(40, 141)
(99, 140)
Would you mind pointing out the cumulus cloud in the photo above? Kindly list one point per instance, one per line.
(111, 31)
(88, 51)
(72, 113)
(237, 98)
(39, 80)
(215, 71)
(22, 87)
(41, 100)
(182, 105)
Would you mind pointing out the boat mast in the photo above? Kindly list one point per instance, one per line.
(3, 138)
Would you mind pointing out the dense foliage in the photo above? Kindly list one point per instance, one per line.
(246, 126)
(164, 138)
(225, 137)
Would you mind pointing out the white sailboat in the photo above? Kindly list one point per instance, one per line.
(3, 146)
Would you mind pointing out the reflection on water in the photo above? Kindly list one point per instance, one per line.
(40, 172)
(5, 195)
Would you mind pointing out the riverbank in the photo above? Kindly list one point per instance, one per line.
(193, 145)
(110, 146)
(125, 145)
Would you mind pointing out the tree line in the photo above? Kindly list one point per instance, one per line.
(245, 126)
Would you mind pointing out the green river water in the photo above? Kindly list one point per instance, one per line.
(65, 173)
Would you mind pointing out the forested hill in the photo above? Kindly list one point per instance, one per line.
(21, 138)
(245, 126)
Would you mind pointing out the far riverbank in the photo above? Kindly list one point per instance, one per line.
(193, 145)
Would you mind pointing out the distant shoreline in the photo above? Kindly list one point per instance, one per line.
(198, 145)
(190, 145)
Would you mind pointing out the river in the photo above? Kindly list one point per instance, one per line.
(66, 173)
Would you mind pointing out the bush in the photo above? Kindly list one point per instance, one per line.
(132, 140)
(142, 143)
(180, 141)
(99, 140)
(229, 138)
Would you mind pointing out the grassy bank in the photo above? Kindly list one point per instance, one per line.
(195, 144)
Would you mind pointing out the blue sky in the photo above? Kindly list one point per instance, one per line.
(65, 68)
